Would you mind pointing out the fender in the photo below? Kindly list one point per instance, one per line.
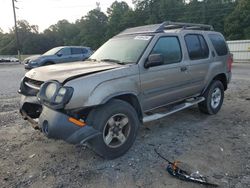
(117, 95)
(111, 89)
(213, 78)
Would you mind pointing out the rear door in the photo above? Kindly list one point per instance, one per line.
(199, 59)
(77, 54)
(166, 83)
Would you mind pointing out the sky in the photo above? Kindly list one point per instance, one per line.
(47, 12)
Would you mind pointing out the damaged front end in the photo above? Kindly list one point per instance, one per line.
(30, 107)
(43, 106)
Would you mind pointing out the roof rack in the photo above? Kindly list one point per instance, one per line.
(158, 28)
(179, 25)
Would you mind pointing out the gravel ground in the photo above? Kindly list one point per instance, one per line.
(217, 146)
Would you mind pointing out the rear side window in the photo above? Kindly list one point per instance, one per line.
(219, 44)
(84, 50)
(76, 51)
(197, 46)
(170, 48)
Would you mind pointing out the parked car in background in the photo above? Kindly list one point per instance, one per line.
(56, 55)
(9, 60)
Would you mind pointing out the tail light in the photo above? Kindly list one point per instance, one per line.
(230, 62)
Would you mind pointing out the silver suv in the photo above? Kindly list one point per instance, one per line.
(140, 75)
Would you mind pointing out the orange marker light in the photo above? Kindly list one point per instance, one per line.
(77, 122)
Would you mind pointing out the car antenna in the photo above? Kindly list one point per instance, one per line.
(181, 174)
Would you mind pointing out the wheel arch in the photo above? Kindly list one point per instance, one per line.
(221, 77)
(130, 98)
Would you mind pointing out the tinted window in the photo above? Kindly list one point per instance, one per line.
(204, 46)
(197, 47)
(170, 48)
(76, 50)
(219, 44)
(65, 51)
(84, 50)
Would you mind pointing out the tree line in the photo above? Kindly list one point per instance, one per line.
(230, 17)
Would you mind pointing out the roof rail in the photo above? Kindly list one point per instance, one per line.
(179, 25)
(157, 28)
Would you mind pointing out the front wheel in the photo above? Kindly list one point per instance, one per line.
(214, 97)
(118, 122)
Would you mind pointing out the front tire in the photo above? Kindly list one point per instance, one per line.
(214, 97)
(118, 122)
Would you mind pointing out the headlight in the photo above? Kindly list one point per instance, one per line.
(51, 90)
(55, 95)
(33, 63)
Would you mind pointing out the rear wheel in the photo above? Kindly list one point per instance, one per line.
(118, 122)
(214, 97)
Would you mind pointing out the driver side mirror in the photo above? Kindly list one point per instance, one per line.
(59, 54)
(154, 60)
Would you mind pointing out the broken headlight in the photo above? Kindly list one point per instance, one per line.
(55, 95)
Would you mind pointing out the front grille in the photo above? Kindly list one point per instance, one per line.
(30, 87)
(35, 84)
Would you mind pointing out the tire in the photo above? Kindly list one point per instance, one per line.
(214, 97)
(117, 135)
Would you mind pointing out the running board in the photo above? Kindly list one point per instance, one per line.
(176, 108)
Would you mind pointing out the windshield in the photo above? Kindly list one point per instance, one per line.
(53, 51)
(122, 49)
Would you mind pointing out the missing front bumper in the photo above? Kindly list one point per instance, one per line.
(56, 125)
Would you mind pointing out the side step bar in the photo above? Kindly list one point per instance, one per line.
(176, 108)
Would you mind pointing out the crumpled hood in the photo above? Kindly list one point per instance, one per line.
(62, 72)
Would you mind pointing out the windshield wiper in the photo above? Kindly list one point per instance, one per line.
(113, 61)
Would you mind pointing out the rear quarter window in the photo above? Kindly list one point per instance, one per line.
(219, 44)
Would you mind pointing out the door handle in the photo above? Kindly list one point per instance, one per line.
(183, 69)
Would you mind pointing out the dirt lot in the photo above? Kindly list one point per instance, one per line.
(218, 146)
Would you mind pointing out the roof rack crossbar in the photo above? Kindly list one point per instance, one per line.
(177, 25)
(157, 28)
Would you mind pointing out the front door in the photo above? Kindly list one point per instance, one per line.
(165, 83)
(65, 55)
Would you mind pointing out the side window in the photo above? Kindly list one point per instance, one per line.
(84, 50)
(197, 46)
(204, 47)
(65, 51)
(219, 44)
(170, 48)
(76, 51)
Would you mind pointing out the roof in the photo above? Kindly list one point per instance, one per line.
(72, 47)
(168, 25)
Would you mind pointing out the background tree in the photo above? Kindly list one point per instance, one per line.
(231, 17)
(237, 24)
(119, 15)
(93, 28)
